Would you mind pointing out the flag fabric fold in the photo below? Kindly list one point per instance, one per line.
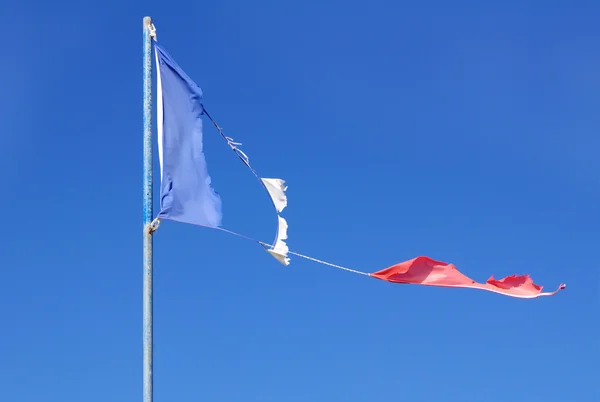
(429, 272)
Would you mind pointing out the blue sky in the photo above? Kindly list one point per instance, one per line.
(467, 132)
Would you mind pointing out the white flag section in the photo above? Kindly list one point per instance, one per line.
(276, 190)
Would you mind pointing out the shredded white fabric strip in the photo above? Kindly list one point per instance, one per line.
(280, 250)
(276, 189)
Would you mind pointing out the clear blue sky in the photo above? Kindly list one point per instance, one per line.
(463, 131)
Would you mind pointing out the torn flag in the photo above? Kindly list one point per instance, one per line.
(186, 194)
(429, 272)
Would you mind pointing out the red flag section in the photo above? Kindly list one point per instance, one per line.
(429, 272)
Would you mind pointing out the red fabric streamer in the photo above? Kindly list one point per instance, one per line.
(429, 272)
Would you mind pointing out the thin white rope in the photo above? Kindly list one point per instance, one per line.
(262, 243)
(306, 257)
(328, 263)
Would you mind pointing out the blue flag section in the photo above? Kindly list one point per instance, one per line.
(186, 194)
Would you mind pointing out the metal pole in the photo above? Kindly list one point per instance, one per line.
(147, 210)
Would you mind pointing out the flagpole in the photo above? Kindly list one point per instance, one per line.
(147, 210)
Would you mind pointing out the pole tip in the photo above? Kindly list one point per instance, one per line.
(147, 22)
